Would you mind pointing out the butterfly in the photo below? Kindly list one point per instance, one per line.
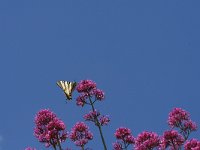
(67, 87)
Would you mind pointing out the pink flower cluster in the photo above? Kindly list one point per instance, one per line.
(95, 117)
(104, 120)
(172, 139)
(189, 126)
(81, 99)
(80, 134)
(88, 88)
(177, 116)
(91, 116)
(181, 119)
(124, 138)
(147, 140)
(49, 129)
(99, 94)
(192, 144)
(118, 146)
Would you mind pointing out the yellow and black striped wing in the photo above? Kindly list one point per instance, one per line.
(67, 87)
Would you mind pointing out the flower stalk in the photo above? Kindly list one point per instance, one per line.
(98, 124)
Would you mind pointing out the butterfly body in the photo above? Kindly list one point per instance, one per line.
(67, 87)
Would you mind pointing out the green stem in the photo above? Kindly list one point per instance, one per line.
(82, 147)
(98, 125)
(59, 145)
(126, 146)
(60, 148)
(173, 145)
(54, 146)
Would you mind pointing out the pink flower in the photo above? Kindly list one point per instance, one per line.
(147, 140)
(117, 146)
(177, 116)
(49, 129)
(95, 117)
(92, 115)
(86, 86)
(81, 99)
(80, 134)
(56, 129)
(163, 144)
(99, 94)
(125, 138)
(104, 120)
(88, 90)
(43, 117)
(172, 139)
(193, 144)
(180, 119)
(122, 133)
(189, 126)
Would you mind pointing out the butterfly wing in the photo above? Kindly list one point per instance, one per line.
(67, 87)
(73, 86)
(70, 86)
(61, 84)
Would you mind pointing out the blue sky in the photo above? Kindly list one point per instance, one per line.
(143, 54)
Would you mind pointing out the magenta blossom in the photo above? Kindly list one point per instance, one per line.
(192, 144)
(56, 130)
(117, 146)
(92, 116)
(49, 129)
(80, 134)
(172, 139)
(99, 94)
(86, 86)
(180, 119)
(147, 140)
(88, 90)
(81, 99)
(124, 138)
(43, 117)
(189, 126)
(177, 116)
(95, 117)
(122, 133)
(104, 120)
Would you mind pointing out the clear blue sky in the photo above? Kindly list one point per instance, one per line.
(145, 55)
